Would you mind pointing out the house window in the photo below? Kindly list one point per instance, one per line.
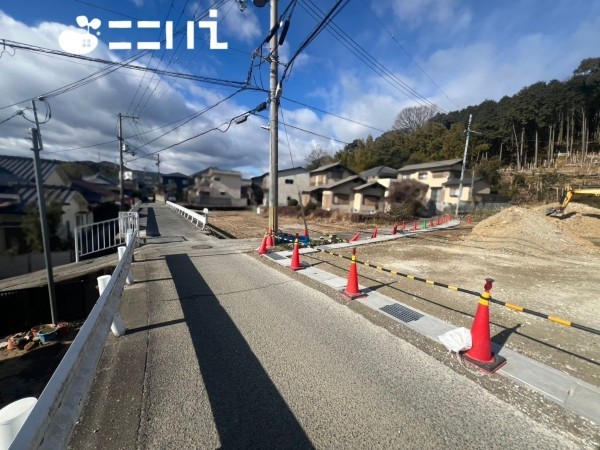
(422, 175)
(216, 178)
(371, 200)
(406, 176)
(454, 192)
(184, 182)
(341, 199)
(289, 181)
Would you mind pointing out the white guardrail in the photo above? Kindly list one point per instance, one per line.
(200, 218)
(51, 421)
(99, 236)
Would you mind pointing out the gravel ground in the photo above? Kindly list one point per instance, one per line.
(542, 263)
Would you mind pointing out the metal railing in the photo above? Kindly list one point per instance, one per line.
(103, 235)
(199, 218)
(51, 421)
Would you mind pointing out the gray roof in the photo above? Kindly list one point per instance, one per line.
(456, 181)
(22, 167)
(344, 181)
(368, 185)
(291, 171)
(436, 165)
(379, 171)
(98, 178)
(28, 194)
(330, 166)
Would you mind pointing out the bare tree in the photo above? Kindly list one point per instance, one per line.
(412, 118)
(317, 157)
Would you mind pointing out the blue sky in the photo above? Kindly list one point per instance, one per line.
(447, 52)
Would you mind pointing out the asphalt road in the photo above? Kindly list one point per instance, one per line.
(225, 352)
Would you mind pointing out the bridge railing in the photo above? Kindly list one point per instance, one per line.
(51, 421)
(99, 236)
(192, 216)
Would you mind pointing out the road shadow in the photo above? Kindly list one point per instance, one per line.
(151, 224)
(248, 410)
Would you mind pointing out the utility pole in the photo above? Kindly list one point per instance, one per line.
(274, 122)
(36, 138)
(462, 172)
(121, 151)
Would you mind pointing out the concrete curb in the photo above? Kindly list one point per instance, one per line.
(573, 394)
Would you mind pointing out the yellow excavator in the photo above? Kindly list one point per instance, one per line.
(572, 193)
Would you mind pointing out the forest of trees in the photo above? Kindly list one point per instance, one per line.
(525, 130)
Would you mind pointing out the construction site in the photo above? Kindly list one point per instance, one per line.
(539, 263)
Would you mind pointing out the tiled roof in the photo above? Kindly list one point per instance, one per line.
(22, 167)
(430, 165)
(28, 194)
(368, 185)
(380, 171)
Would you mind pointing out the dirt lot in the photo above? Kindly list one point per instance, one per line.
(541, 263)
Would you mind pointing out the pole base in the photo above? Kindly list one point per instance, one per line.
(302, 266)
(486, 367)
(352, 296)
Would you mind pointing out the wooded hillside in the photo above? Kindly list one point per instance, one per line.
(528, 129)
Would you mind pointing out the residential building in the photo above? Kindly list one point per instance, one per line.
(175, 183)
(443, 179)
(216, 188)
(18, 191)
(290, 183)
(320, 178)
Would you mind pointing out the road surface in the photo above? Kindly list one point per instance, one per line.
(224, 351)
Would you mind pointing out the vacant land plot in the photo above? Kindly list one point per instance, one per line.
(541, 263)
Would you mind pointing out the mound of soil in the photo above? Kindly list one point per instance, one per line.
(517, 229)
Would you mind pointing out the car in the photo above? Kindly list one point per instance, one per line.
(171, 199)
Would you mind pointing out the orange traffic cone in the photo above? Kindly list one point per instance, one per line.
(305, 232)
(480, 354)
(431, 225)
(295, 265)
(270, 239)
(263, 246)
(374, 235)
(468, 219)
(395, 229)
(403, 225)
(355, 237)
(352, 290)
(415, 226)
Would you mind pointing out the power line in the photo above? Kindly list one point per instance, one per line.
(309, 132)
(240, 117)
(332, 114)
(409, 55)
(365, 57)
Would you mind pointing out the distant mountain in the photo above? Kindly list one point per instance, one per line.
(79, 169)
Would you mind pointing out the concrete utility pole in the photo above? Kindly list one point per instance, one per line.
(274, 122)
(462, 172)
(36, 138)
(121, 151)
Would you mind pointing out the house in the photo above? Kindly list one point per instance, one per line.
(321, 177)
(354, 195)
(175, 182)
(216, 188)
(18, 191)
(94, 194)
(443, 179)
(290, 183)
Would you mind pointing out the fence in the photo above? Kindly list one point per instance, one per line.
(24, 308)
(191, 215)
(13, 266)
(51, 421)
(103, 235)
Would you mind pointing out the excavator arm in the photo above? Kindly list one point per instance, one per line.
(574, 192)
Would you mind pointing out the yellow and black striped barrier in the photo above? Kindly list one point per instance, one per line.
(554, 319)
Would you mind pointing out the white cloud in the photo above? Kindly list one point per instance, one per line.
(241, 26)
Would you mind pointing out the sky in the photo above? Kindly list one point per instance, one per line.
(373, 59)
